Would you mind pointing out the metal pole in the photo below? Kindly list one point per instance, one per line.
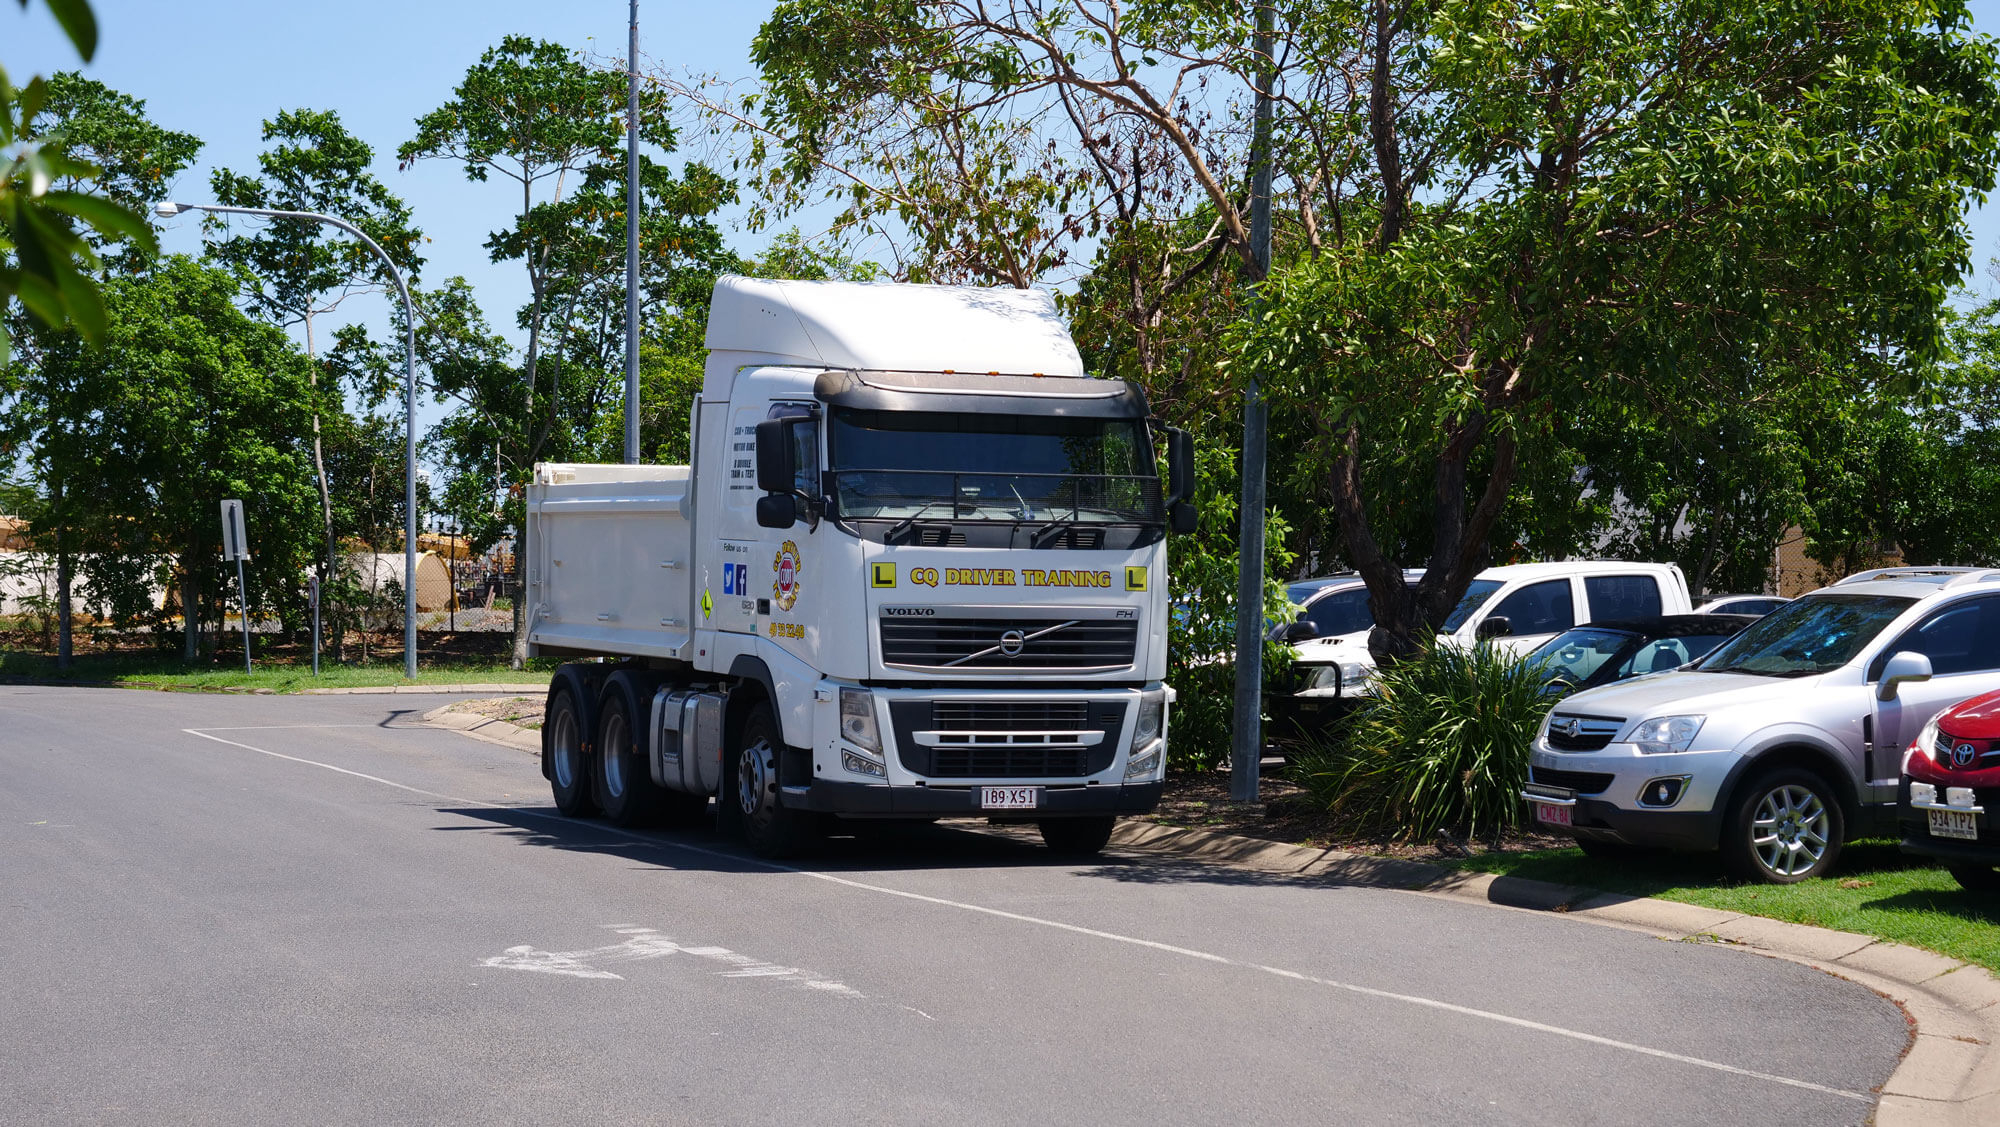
(632, 242)
(315, 599)
(1246, 750)
(169, 210)
(243, 604)
(452, 568)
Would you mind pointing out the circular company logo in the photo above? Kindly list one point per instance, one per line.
(1570, 726)
(1011, 643)
(1963, 755)
(785, 591)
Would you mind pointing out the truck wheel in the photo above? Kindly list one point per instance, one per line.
(771, 829)
(1784, 827)
(625, 788)
(1976, 878)
(1077, 836)
(569, 763)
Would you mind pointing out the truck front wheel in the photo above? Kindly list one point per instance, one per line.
(771, 829)
(569, 762)
(1077, 836)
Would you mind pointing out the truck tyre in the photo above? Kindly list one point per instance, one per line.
(569, 762)
(1784, 826)
(771, 829)
(625, 788)
(1079, 837)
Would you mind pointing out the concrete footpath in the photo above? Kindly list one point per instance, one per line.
(1949, 1078)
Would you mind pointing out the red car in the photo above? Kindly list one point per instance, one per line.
(1950, 794)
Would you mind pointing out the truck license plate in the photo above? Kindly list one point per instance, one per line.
(1954, 823)
(1009, 798)
(1553, 815)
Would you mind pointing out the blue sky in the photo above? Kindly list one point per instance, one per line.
(219, 68)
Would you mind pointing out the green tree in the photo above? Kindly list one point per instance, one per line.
(185, 402)
(532, 113)
(46, 262)
(295, 271)
(1586, 203)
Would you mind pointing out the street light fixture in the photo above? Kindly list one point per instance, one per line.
(168, 210)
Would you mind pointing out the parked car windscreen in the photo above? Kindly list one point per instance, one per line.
(1476, 594)
(1816, 634)
(1574, 655)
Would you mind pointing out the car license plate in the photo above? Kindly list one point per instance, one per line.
(1954, 823)
(1009, 798)
(1553, 815)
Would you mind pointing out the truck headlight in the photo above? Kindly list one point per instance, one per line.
(1152, 715)
(857, 720)
(1664, 735)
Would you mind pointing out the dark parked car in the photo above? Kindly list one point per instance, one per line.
(1753, 605)
(1951, 792)
(1599, 653)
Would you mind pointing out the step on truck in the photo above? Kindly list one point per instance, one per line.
(916, 570)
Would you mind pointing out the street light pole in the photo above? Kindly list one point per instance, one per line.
(168, 210)
(632, 242)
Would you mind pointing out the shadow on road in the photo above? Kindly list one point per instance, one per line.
(850, 849)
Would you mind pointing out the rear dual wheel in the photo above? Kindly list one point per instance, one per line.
(569, 756)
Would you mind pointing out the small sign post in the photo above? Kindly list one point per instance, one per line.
(236, 546)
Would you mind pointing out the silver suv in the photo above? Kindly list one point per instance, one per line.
(1787, 739)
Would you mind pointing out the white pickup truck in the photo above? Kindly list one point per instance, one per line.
(1518, 606)
(917, 569)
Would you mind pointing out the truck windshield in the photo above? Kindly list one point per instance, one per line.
(1816, 634)
(930, 465)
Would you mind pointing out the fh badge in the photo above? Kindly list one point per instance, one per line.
(785, 591)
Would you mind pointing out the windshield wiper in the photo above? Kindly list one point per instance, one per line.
(903, 525)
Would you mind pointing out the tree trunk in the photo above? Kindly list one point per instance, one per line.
(518, 657)
(190, 612)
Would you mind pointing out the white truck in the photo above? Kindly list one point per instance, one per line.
(916, 570)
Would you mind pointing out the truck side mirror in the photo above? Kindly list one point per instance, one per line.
(777, 510)
(1905, 665)
(777, 461)
(1496, 627)
(1180, 469)
(1180, 518)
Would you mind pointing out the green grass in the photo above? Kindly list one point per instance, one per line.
(1878, 890)
(168, 673)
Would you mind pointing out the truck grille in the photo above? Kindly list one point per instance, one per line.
(1009, 643)
(1007, 739)
(1575, 732)
(1008, 715)
(1009, 763)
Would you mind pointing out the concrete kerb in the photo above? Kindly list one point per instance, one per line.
(1949, 1077)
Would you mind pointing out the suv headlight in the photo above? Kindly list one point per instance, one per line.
(857, 720)
(1663, 735)
(1926, 742)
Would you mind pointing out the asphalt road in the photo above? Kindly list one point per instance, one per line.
(257, 909)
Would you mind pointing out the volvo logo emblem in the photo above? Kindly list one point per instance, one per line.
(1011, 643)
(1963, 755)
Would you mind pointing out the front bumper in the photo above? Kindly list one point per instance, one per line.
(878, 800)
(1607, 786)
(1914, 822)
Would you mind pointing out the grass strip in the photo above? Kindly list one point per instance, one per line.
(169, 673)
(1878, 890)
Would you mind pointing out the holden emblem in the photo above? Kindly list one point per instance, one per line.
(1570, 726)
(1963, 755)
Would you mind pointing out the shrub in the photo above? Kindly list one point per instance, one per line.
(1442, 746)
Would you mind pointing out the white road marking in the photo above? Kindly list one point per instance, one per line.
(645, 943)
(1077, 929)
(271, 727)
